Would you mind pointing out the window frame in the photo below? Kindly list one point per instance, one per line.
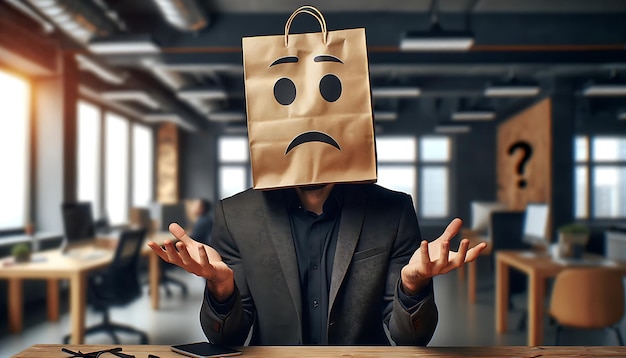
(591, 165)
(245, 164)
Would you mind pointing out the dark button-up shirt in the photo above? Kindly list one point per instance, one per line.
(315, 240)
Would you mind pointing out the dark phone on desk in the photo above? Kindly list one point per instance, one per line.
(204, 350)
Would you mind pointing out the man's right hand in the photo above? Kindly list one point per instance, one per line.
(199, 259)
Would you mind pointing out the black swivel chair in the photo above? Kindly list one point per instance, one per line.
(117, 285)
(506, 234)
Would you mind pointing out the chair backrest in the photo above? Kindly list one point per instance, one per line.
(505, 230)
(122, 276)
(590, 297)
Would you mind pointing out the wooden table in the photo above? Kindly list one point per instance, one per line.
(142, 351)
(53, 266)
(539, 267)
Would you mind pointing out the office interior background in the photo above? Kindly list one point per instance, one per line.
(128, 104)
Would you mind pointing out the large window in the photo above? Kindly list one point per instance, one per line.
(416, 166)
(14, 151)
(600, 177)
(143, 164)
(89, 144)
(108, 185)
(234, 175)
(116, 168)
(404, 167)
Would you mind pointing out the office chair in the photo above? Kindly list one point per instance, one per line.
(117, 285)
(588, 298)
(506, 229)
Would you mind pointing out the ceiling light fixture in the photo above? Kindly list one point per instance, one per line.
(452, 129)
(105, 74)
(396, 92)
(436, 39)
(227, 116)
(512, 88)
(131, 95)
(208, 93)
(385, 116)
(608, 88)
(126, 44)
(168, 117)
(473, 115)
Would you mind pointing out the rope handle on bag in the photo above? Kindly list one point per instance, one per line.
(307, 9)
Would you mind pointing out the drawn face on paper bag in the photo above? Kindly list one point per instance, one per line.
(309, 112)
(285, 93)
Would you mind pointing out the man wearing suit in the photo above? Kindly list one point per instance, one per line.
(377, 274)
(318, 259)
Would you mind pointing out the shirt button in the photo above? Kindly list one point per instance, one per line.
(315, 304)
(314, 267)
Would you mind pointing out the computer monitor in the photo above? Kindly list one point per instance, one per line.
(536, 225)
(78, 222)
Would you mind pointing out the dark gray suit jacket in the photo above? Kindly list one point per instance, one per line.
(378, 233)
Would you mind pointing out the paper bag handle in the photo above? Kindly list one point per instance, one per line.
(307, 9)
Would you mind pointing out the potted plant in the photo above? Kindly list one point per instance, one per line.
(572, 238)
(21, 252)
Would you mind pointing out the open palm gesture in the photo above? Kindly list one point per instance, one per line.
(435, 258)
(199, 259)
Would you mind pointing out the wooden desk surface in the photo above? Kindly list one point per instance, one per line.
(529, 262)
(142, 351)
(54, 264)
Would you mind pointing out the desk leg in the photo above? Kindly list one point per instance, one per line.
(78, 307)
(53, 300)
(535, 309)
(15, 305)
(155, 275)
(471, 282)
(502, 295)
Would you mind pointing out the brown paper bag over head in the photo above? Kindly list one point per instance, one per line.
(309, 107)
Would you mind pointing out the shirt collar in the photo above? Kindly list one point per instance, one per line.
(332, 205)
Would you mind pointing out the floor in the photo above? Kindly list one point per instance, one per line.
(460, 324)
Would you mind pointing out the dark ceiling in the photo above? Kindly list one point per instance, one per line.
(544, 41)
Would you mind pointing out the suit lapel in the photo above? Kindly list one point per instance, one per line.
(279, 229)
(350, 227)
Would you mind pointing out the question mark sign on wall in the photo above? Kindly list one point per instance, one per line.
(528, 152)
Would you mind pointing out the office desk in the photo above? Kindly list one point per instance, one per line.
(53, 266)
(142, 351)
(539, 268)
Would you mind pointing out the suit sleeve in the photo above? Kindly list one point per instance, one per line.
(408, 325)
(231, 327)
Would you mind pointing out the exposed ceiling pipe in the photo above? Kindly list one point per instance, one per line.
(79, 19)
(185, 15)
(46, 26)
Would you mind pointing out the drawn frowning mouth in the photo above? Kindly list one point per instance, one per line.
(312, 136)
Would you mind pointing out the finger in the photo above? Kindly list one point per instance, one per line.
(171, 252)
(473, 253)
(204, 258)
(424, 252)
(459, 259)
(158, 250)
(180, 233)
(442, 261)
(451, 230)
(184, 254)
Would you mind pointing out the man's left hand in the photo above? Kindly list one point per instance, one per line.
(435, 258)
